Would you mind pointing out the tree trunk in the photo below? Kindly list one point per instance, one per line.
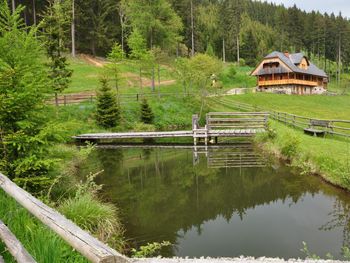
(73, 29)
(122, 22)
(158, 76)
(56, 99)
(25, 18)
(238, 56)
(13, 6)
(34, 13)
(153, 79)
(192, 30)
(141, 79)
(158, 80)
(223, 51)
(93, 48)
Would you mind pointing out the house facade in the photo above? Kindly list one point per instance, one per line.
(289, 74)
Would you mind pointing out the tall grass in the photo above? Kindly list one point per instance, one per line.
(44, 245)
(96, 217)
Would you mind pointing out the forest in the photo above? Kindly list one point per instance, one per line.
(231, 29)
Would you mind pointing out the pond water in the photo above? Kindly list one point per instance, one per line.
(221, 202)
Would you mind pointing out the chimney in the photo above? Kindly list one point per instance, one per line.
(286, 53)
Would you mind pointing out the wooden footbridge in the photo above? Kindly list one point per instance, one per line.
(218, 124)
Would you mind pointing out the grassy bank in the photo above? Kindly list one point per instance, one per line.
(328, 158)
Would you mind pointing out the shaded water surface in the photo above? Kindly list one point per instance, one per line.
(221, 202)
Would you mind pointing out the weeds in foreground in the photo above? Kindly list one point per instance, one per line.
(149, 250)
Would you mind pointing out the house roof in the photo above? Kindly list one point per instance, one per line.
(292, 61)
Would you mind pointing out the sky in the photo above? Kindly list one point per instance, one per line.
(323, 6)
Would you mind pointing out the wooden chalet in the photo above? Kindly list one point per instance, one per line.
(289, 74)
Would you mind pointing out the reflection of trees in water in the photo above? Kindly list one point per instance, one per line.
(340, 218)
(163, 196)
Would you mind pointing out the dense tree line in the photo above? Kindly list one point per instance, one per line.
(231, 29)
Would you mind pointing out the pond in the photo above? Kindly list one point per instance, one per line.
(221, 202)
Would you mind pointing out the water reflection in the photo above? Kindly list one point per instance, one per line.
(240, 155)
(231, 203)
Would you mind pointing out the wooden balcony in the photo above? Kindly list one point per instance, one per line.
(288, 82)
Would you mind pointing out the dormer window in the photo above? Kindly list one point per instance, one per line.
(304, 64)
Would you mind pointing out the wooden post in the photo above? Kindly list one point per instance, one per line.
(194, 127)
(15, 248)
(93, 249)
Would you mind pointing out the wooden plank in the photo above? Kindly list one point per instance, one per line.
(14, 246)
(88, 246)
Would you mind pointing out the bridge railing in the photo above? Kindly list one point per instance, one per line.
(91, 248)
(237, 120)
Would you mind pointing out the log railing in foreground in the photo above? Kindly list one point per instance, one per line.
(91, 248)
(335, 127)
(19, 253)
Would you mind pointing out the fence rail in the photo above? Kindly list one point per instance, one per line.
(334, 126)
(123, 98)
(91, 248)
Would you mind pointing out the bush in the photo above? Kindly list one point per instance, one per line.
(290, 147)
(232, 72)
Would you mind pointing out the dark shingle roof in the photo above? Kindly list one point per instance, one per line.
(293, 60)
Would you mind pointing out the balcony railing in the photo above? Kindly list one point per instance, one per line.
(288, 82)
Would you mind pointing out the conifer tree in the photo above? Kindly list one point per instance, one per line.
(55, 26)
(24, 130)
(107, 113)
(147, 115)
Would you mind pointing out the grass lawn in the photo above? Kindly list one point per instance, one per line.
(86, 76)
(326, 107)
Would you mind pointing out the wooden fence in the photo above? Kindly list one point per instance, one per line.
(91, 248)
(333, 126)
(123, 98)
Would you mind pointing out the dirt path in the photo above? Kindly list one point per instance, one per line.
(98, 62)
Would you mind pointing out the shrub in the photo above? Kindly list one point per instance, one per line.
(232, 72)
(290, 147)
(107, 112)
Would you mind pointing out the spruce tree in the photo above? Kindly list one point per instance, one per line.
(55, 28)
(147, 115)
(107, 113)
